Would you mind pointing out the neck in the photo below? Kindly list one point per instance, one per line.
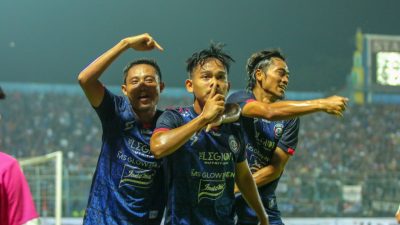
(146, 116)
(263, 96)
(198, 107)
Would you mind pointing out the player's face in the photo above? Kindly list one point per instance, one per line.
(276, 78)
(205, 77)
(142, 87)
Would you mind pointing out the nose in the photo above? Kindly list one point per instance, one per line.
(285, 79)
(214, 82)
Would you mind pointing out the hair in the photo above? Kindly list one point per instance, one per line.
(260, 60)
(214, 51)
(150, 62)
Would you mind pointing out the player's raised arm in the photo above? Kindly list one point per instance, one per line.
(283, 110)
(89, 77)
(166, 141)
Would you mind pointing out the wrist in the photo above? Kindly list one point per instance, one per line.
(319, 104)
(123, 44)
(202, 120)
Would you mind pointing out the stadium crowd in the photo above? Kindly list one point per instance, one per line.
(358, 149)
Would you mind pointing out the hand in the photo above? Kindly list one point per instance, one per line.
(334, 105)
(264, 221)
(231, 114)
(398, 216)
(214, 107)
(143, 42)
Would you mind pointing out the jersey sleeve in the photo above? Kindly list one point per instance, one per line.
(106, 109)
(110, 109)
(241, 98)
(168, 120)
(288, 142)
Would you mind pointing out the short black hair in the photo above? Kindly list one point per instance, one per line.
(214, 51)
(260, 60)
(150, 62)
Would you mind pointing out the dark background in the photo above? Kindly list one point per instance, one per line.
(46, 41)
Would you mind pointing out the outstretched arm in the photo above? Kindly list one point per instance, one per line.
(166, 142)
(247, 187)
(284, 110)
(89, 77)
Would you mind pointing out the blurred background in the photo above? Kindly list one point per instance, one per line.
(343, 167)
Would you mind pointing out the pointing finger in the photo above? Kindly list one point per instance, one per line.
(158, 46)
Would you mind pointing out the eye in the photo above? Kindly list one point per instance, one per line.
(150, 80)
(134, 81)
(205, 77)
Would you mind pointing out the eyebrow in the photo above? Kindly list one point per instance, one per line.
(284, 70)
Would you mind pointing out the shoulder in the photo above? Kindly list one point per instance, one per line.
(7, 161)
(239, 96)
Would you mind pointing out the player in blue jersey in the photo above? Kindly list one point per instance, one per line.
(271, 127)
(202, 167)
(127, 186)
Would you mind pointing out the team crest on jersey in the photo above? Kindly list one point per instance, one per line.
(233, 144)
(278, 129)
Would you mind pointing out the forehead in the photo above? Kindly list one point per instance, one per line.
(142, 70)
(210, 64)
(277, 63)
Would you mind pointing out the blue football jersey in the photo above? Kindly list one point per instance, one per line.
(127, 186)
(201, 174)
(261, 138)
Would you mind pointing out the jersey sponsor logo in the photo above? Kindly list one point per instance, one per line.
(233, 144)
(210, 189)
(153, 214)
(278, 130)
(137, 146)
(212, 175)
(129, 125)
(136, 162)
(215, 158)
(193, 139)
(136, 177)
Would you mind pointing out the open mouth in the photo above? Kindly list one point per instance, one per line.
(283, 87)
(144, 97)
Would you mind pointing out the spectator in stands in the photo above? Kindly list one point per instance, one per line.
(16, 203)
(128, 183)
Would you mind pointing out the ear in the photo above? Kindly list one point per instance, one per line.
(258, 75)
(229, 87)
(189, 85)
(162, 86)
(123, 88)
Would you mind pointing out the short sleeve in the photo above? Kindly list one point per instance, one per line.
(241, 98)
(288, 142)
(168, 120)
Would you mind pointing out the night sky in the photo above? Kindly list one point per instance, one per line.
(45, 41)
